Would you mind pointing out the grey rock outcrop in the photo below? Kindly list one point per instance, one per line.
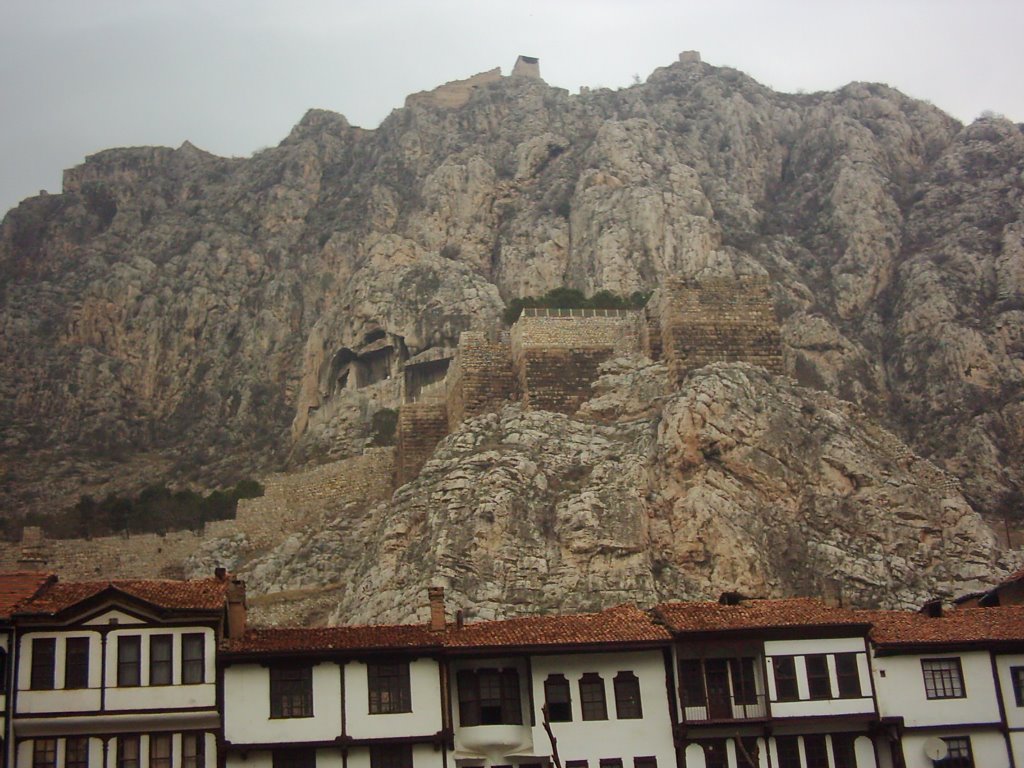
(178, 316)
(739, 480)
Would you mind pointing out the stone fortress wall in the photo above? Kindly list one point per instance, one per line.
(289, 503)
(716, 320)
(556, 353)
(456, 93)
(480, 377)
(421, 426)
(292, 501)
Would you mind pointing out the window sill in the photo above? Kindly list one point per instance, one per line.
(290, 717)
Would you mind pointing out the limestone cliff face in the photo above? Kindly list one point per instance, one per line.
(175, 315)
(737, 479)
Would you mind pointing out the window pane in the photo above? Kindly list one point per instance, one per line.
(291, 692)
(76, 753)
(489, 685)
(557, 699)
(469, 698)
(511, 707)
(44, 753)
(627, 696)
(842, 750)
(748, 753)
(817, 676)
(192, 750)
(193, 660)
(691, 683)
(942, 678)
(848, 675)
(389, 688)
(294, 758)
(128, 750)
(959, 753)
(785, 678)
(814, 748)
(76, 662)
(160, 655)
(648, 761)
(715, 754)
(789, 751)
(160, 750)
(744, 688)
(592, 699)
(43, 656)
(129, 656)
(1017, 675)
(391, 756)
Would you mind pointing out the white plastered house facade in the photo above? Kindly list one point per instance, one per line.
(117, 674)
(156, 674)
(335, 698)
(952, 698)
(605, 709)
(771, 683)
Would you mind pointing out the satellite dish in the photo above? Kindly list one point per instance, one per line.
(936, 749)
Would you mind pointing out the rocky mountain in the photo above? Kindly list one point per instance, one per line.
(740, 479)
(178, 316)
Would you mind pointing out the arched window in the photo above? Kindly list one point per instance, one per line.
(592, 697)
(627, 697)
(558, 699)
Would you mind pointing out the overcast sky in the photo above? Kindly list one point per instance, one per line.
(233, 76)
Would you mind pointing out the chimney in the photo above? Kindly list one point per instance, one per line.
(236, 608)
(460, 619)
(932, 609)
(220, 573)
(436, 596)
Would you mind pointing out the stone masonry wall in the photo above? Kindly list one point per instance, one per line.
(480, 377)
(421, 426)
(719, 320)
(456, 93)
(289, 502)
(556, 353)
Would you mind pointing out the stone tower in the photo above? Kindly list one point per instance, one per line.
(527, 66)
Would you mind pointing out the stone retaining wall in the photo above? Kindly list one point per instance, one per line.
(556, 353)
(294, 500)
(289, 503)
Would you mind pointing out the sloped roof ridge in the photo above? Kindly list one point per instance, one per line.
(17, 587)
(197, 594)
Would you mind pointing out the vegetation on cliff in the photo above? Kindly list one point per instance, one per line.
(570, 298)
(156, 510)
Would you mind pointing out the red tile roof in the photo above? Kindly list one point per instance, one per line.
(756, 614)
(300, 639)
(622, 624)
(17, 587)
(199, 595)
(959, 626)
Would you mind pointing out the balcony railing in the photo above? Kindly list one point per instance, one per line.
(726, 708)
